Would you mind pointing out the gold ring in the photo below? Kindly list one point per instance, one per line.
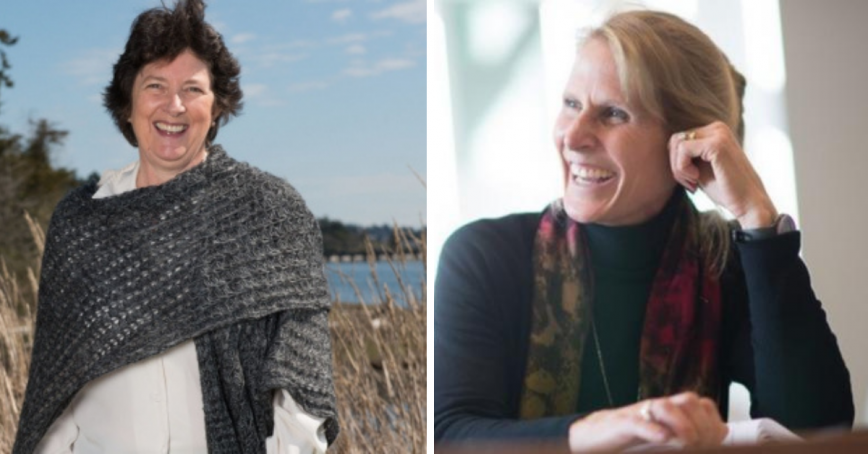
(689, 135)
(645, 411)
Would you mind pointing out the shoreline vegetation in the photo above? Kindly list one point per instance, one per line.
(349, 242)
(379, 353)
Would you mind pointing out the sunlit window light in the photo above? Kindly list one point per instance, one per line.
(771, 153)
(512, 158)
(442, 189)
(686, 9)
(765, 51)
(560, 22)
(494, 28)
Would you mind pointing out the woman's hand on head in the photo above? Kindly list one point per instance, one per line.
(684, 419)
(714, 161)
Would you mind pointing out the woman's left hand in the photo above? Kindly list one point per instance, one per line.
(711, 158)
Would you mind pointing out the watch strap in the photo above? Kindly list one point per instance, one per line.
(783, 224)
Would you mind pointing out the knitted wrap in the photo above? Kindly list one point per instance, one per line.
(223, 254)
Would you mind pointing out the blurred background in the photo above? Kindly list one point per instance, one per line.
(496, 69)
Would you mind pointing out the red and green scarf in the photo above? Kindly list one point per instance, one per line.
(682, 318)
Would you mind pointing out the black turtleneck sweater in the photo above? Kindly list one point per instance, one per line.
(775, 339)
(625, 261)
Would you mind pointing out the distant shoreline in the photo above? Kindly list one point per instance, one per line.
(359, 258)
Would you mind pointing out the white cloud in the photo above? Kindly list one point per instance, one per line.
(394, 64)
(281, 48)
(243, 38)
(342, 15)
(413, 50)
(297, 44)
(269, 59)
(360, 69)
(382, 183)
(308, 86)
(350, 38)
(254, 90)
(356, 49)
(271, 55)
(261, 95)
(412, 12)
(94, 67)
(220, 26)
(270, 102)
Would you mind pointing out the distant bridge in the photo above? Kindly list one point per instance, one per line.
(351, 258)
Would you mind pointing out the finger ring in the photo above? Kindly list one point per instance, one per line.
(689, 135)
(645, 411)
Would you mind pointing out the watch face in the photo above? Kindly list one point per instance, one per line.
(785, 224)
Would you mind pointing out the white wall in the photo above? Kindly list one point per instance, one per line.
(826, 51)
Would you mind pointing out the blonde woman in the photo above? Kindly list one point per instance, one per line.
(620, 315)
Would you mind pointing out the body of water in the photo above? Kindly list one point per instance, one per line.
(342, 276)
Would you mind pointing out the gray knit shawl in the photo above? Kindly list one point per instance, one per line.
(223, 254)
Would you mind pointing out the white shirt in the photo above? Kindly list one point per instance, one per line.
(155, 405)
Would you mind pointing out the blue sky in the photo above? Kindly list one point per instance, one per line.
(334, 93)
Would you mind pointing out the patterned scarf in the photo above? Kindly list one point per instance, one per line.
(682, 320)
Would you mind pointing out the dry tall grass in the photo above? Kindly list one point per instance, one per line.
(380, 367)
(17, 319)
(379, 358)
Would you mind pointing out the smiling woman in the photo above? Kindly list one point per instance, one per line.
(183, 304)
(619, 315)
(628, 183)
(172, 112)
(170, 96)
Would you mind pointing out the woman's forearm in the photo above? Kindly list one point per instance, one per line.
(800, 376)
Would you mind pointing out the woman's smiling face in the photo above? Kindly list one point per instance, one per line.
(613, 153)
(172, 111)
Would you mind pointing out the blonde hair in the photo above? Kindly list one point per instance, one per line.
(682, 78)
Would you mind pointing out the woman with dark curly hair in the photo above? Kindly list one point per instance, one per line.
(182, 305)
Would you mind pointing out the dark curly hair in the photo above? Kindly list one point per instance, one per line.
(163, 34)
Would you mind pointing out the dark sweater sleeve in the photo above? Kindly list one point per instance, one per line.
(784, 351)
(478, 357)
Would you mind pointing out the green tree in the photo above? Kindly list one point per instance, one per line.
(28, 181)
(7, 40)
(340, 239)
